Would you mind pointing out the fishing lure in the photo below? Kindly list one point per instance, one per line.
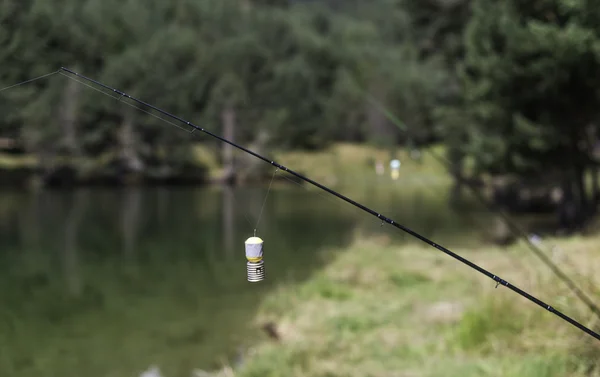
(254, 255)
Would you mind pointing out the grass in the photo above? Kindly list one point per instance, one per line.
(383, 310)
(8, 161)
(208, 157)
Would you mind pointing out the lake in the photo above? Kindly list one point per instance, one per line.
(101, 282)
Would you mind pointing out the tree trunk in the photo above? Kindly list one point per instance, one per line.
(228, 119)
(68, 118)
(456, 170)
(595, 187)
(163, 197)
(250, 168)
(228, 225)
(73, 221)
(29, 224)
(378, 122)
(130, 219)
(567, 210)
(573, 211)
(580, 186)
(127, 144)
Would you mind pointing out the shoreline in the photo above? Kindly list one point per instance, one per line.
(18, 180)
(409, 310)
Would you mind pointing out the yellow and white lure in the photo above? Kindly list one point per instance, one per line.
(254, 255)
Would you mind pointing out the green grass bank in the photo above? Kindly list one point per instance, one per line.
(379, 309)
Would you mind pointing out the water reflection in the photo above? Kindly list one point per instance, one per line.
(106, 282)
(76, 207)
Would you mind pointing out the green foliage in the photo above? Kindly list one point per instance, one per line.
(327, 289)
(488, 321)
(530, 88)
(347, 324)
(407, 279)
(511, 84)
(295, 71)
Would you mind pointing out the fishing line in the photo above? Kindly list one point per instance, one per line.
(351, 210)
(515, 229)
(497, 279)
(265, 201)
(243, 212)
(119, 98)
(515, 262)
(30, 80)
(254, 247)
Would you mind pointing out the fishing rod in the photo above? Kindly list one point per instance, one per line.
(384, 219)
(513, 227)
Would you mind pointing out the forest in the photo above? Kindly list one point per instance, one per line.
(510, 89)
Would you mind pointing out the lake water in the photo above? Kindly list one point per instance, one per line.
(101, 282)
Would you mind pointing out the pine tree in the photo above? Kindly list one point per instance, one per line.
(531, 91)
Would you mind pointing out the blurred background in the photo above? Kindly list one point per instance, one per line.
(122, 237)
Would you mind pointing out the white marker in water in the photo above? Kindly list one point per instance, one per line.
(395, 165)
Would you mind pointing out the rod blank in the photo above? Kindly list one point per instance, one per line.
(497, 279)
